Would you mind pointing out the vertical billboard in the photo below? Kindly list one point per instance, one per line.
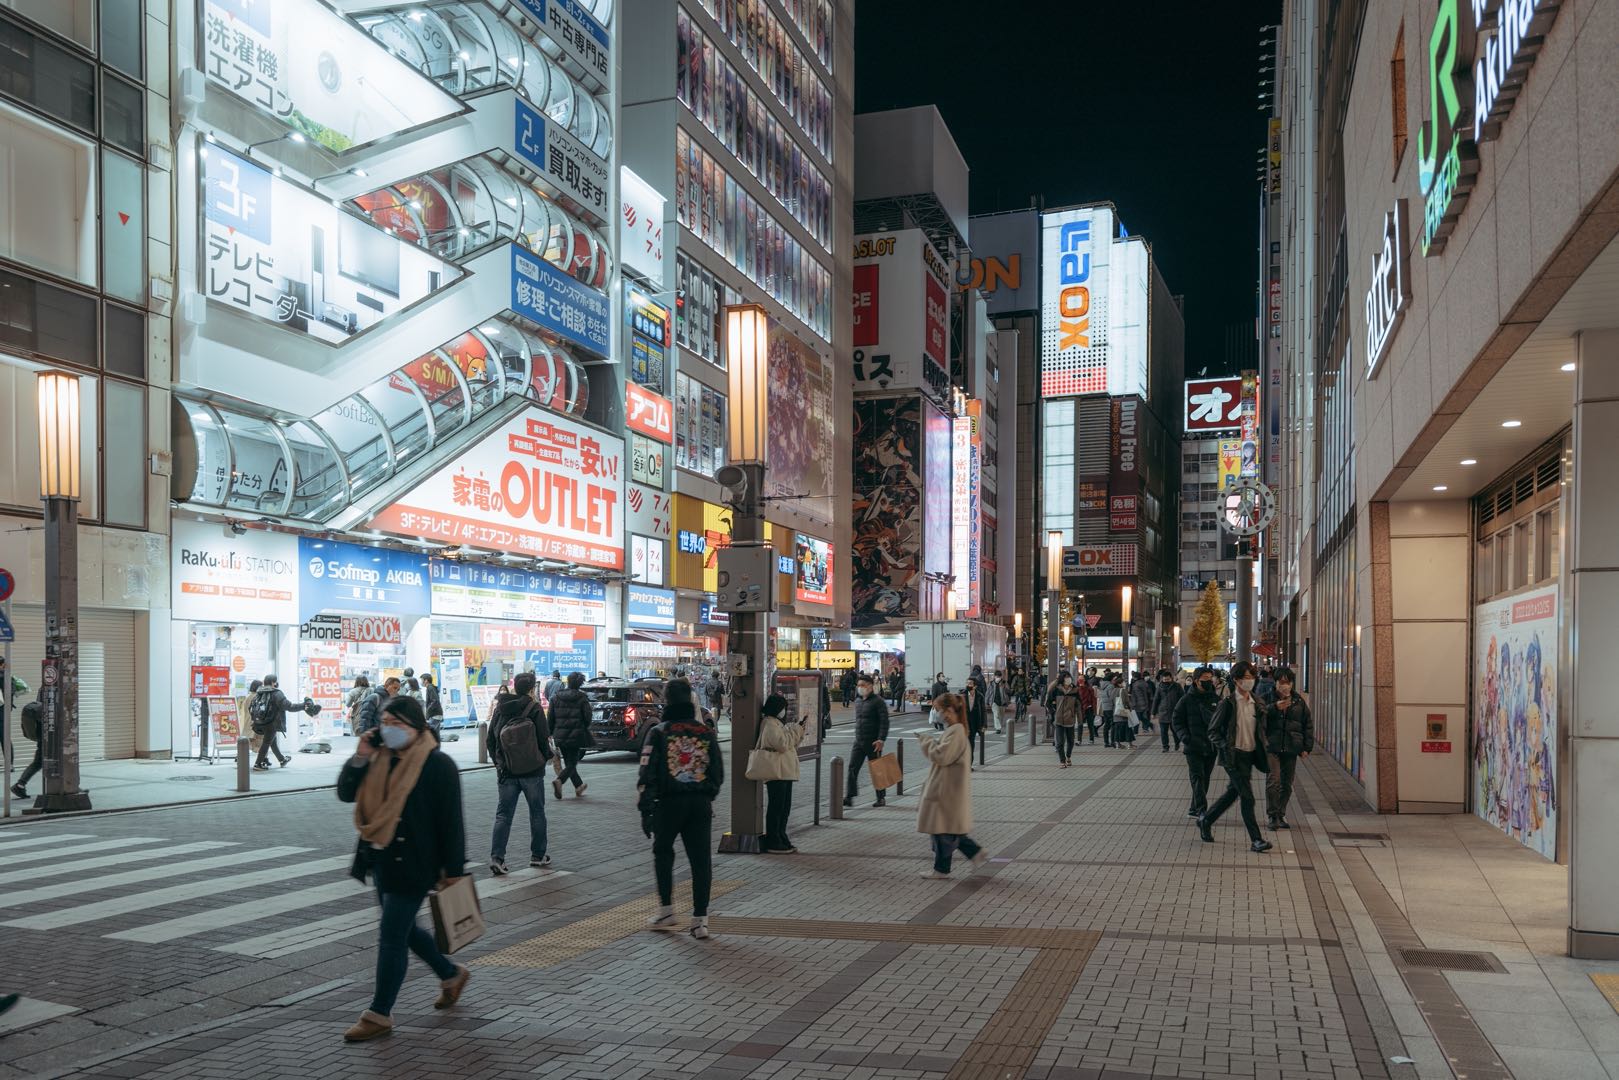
(814, 558)
(936, 477)
(966, 522)
(1075, 247)
(1130, 282)
(901, 313)
(1230, 463)
(887, 527)
(1248, 424)
(1124, 482)
(802, 432)
(1514, 766)
(1006, 261)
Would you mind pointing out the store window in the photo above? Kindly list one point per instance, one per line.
(46, 76)
(1519, 536)
(121, 35)
(123, 227)
(73, 19)
(54, 228)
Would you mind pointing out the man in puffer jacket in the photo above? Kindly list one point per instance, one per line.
(870, 732)
(570, 728)
(1107, 697)
(1193, 715)
(1163, 707)
(1141, 695)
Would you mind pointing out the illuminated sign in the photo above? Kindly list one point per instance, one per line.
(646, 560)
(693, 543)
(1248, 425)
(1502, 59)
(1213, 404)
(965, 509)
(901, 304)
(541, 486)
(1124, 483)
(650, 414)
(814, 570)
(219, 577)
(786, 564)
(316, 72)
(651, 608)
(1076, 312)
(585, 40)
(279, 252)
(562, 161)
(646, 461)
(640, 227)
(479, 591)
(1389, 294)
(1006, 251)
(1105, 560)
(558, 301)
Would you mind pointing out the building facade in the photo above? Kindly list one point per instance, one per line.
(1448, 382)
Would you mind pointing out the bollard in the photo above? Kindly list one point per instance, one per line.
(835, 789)
(1011, 738)
(483, 742)
(983, 749)
(244, 764)
(1029, 716)
(899, 755)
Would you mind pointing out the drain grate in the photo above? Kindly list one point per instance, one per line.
(189, 779)
(1359, 839)
(1450, 960)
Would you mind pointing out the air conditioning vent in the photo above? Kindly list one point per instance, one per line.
(1524, 488)
(1548, 474)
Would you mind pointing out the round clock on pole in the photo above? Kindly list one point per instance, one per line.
(1247, 508)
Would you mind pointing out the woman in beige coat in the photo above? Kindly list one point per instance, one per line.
(946, 812)
(778, 765)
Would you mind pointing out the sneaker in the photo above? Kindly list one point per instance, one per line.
(699, 927)
(19, 791)
(556, 787)
(262, 768)
(981, 858)
(369, 1026)
(579, 792)
(785, 849)
(498, 867)
(1260, 845)
(663, 918)
(1281, 823)
(1193, 814)
(542, 863)
(450, 989)
(935, 875)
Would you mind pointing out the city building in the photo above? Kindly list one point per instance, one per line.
(1448, 357)
(1211, 461)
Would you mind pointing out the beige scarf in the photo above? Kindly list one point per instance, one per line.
(384, 790)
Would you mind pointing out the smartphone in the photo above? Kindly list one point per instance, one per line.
(374, 737)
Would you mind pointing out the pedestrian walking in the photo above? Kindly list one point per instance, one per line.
(1163, 708)
(519, 745)
(714, 695)
(682, 771)
(945, 813)
(973, 701)
(1107, 699)
(33, 714)
(1142, 693)
(1289, 735)
(940, 686)
(571, 713)
(870, 733)
(407, 807)
(554, 686)
(357, 693)
(410, 686)
(998, 698)
(268, 713)
(1238, 736)
(1193, 716)
(896, 688)
(369, 716)
(846, 687)
(1265, 685)
(777, 757)
(1068, 708)
(432, 704)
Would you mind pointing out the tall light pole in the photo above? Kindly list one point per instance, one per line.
(1084, 637)
(1053, 601)
(1175, 649)
(1126, 595)
(59, 691)
(748, 357)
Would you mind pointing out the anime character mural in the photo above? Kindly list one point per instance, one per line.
(1514, 752)
(887, 511)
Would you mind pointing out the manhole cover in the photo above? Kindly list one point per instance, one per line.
(1449, 960)
(189, 779)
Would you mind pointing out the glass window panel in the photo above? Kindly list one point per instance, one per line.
(213, 456)
(56, 231)
(260, 477)
(354, 430)
(124, 348)
(73, 19)
(121, 35)
(46, 76)
(123, 227)
(40, 318)
(123, 121)
(124, 453)
(320, 486)
(1520, 555)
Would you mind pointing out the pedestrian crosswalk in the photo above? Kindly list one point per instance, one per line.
(53, 881)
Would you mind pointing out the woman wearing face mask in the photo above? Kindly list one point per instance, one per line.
(1290, 735)
(1238, 735)
(1065, 715)
(946, 810)
(870, 732)
(407, 807)
(1193, 715)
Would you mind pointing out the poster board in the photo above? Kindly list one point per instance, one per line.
(802, 689)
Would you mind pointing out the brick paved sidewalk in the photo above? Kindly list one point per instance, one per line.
(1101, 941)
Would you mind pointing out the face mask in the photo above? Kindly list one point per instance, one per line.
(865, 691)
(936, 716)
(1245, 685)
(1205, 685)
(396, 738)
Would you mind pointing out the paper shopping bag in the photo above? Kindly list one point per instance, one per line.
(457, 919)
(885, 771)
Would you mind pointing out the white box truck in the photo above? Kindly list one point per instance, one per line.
(952, 646)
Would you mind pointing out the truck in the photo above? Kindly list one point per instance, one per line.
(952, 646)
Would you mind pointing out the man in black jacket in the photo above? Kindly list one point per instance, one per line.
(268, 713)
(682, 770)
(1289, 735)
(870, 732)
(1193, 715)
(973, 696)
(512, 780)
(1237, 733)
(570, 728)
(370, 715)
(1163, 707)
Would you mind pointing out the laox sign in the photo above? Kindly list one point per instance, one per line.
(1389, 294)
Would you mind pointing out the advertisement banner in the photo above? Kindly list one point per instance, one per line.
(1213, 404)
(651, 511)
(887, 534)
(814, 570)
(1248, 424)
(452, 682)
(480, 591)
(564, 163)
(372, 629)
(640, 226)
(975, 514)
(1124, 482)
(867, 306)
(210, 680)
(558, 301)
(282, 253)
(541, 486)
(1230, 462)
(1006, 257)
(936, 522)
(648, 413)
(902, 313)
(964, 512)
(1074, 310)
(802, 432)
(216, 576)
(648, 460)
(646, 559)
(1129, 283)
(339, 577)
(1515, 780)
(315, 71)
(1099, 560)
(649, 608)
(567, 23)
(324, 683)
(648, 325)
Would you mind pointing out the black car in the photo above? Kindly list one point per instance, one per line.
(623, 712)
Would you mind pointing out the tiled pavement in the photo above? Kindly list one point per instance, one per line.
(1102, 941)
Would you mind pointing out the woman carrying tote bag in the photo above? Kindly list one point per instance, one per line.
(946, 811)
(775, 764)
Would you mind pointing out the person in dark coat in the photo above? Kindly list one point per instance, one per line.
(1169, 694)
(571, 713)
(940, 686)
(370, 711)
(1192, 717)
(682, 770)
(896, 689)
(510, 782)
(432, 703)
(1289, 735)
(407, 807)
(973, 698)
(268, 711)
(870, 733)
(1238, 736)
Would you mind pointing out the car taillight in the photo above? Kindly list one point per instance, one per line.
(630, 719)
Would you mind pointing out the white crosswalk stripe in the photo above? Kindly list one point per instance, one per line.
(8, 844)
(136, 877)
(245, 912)
(143, 901)
(40, 854)
(127, 855)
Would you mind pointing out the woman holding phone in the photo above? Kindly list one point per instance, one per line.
(407, 807)
(946, 810)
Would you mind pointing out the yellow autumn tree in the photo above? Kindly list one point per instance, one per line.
(1208, 635)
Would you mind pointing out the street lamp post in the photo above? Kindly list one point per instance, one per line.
(59, 692)
(1053, 607)
(748, 358)
(1175, 650)
(1125, 597)
(1084, 638)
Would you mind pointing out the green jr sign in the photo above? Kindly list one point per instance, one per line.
(1447, 157)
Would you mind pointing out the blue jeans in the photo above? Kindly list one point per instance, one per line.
(532, 788)
(945, 845)
(400, 935)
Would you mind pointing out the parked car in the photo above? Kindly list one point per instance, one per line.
(623, 712)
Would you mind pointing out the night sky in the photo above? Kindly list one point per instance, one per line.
(1150, 104)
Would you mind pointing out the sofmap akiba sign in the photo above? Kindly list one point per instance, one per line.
(334, 576)
(540, 486)
(1390, 291)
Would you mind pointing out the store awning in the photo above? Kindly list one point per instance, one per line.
(668, 638)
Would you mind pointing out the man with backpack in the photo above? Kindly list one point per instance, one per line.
(519, 745)
(268, 713)
(33, 714)
(369, 716)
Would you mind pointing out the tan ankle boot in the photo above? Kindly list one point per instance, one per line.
(450, 989)
(369, 1026)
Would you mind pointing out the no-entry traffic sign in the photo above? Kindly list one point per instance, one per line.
(8, 584)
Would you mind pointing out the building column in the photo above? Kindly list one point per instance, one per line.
(1374, 651)
(1591, 799)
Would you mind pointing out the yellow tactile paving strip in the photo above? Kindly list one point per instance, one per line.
(1609, 985)
(597, 931)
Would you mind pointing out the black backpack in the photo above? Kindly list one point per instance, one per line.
(33, 716)
(520, 749)
(259, 712)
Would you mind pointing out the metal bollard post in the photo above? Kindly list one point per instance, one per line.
(1028, 716)
(835, 789)
(483, 742)
(244, 764)
(899, 756)
(983, 749)
(1011, 737)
